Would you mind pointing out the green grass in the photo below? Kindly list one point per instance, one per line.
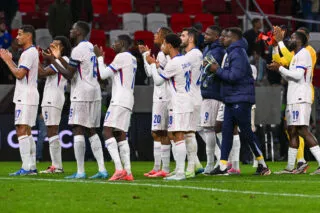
(245, 193)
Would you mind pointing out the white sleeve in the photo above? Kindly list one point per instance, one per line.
(105, 72)
(294, 75)
(147, 66)
(157, 78)
(27, 60)
(76, 57)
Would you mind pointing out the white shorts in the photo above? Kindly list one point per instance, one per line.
(85, 113)
(118, 117)
(195, 119)
(179, 122)
(51, 115)
(220, 115)
(209, 112)
(26, 114)
(298, 114)
(159, 116)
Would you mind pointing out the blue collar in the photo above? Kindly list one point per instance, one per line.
(28, 48)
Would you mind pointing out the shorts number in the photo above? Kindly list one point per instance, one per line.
(170, 120)
(206, 116)
(70, 113)
(17, 115)
(295, 115)
(157, 119)
(107, 115)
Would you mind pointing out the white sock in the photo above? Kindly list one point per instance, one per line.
(33, 161)
(316, 153)
(125, 155)
(219, 136)
(24, 148)
(173, 149)
(192, 148)
(165, 157)
(236, 152)
(255, 162)
(79, 152)
(210, 140)
(112, 147)
(292, 154)
(97, 151)
(157, 155)
(217, 152)
(55, 151)
(181, 153)
(195, 148)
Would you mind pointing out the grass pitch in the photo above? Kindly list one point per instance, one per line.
(244, 193)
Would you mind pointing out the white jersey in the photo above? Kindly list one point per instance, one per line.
(124, 67)
(26, 91)
(178, 72)
(300, 91)
(84, 84)
(161, 93)
(53, 94)
(195, 58)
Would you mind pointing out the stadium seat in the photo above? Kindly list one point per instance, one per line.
(44, 5)
(192, 6)
(107, 22)
(17, 21)
(180, 21)
(314, 40)
(36, 19)
(98, 37)
(27, 6)
(144, 6)
(146, 36)
(43, 38)
(121, 6)
(228, 20)
(205, 19)
(100, 7)
(169, 6)
(285, 7)
(132, 22)
(115, 33)
(215, 6)
(267, 6)
(14, 33)
(109, 54)
(236, 9)
(155, 21)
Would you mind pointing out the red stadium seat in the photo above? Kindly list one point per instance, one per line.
(144, 6)
(14, 33)
(205, 19)
(121, 6)
(44, 5)
(100, 7)
(180, 21)
(109, 54)
(215, 6)
(107, 22)
(285, 7)
(266, 6)
(36, 19)
(146, 36)
(169, 6)
(98, 37)
(228, 20)
(27, 6)
(236, 9)
(192, 6)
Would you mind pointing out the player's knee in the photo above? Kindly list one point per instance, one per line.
(21, 130)
(170, 136)
(156, 135)
(52, 131)
(107, 132)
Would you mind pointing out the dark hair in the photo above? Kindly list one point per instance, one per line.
(84, 27)
(165, 31)
(254, 21)
(66, 45)
(29, 29)
(305, 30)
(216, 29)
(302, 37)
(236, 31)
(174, 40)
(192, 32)
(126, 40)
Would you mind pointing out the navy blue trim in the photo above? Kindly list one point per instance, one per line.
(301, 67)
(24, 67)
(113, 69)
(164, 77)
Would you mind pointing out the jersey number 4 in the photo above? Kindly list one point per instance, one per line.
(187, 76)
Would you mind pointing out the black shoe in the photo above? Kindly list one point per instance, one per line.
(217, 171)
(264, 171)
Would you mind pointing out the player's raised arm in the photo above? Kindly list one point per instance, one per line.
(158, 79)
(105, 72)
(45, 71)
(18, 72)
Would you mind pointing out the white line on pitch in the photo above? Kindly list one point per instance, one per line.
(165, 186)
